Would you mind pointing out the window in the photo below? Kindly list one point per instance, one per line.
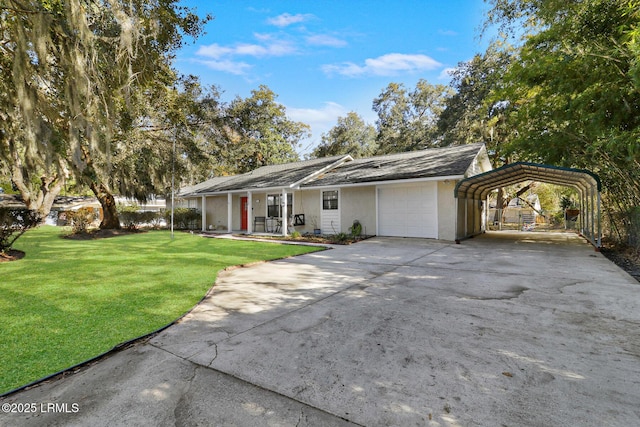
(273, 205)
(330, 200)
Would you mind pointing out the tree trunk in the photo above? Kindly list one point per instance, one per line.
(110, 219)
(42, 200)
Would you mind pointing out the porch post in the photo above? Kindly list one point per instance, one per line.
(229, 212)
(249, 213)
(284, 213)
(204, 213)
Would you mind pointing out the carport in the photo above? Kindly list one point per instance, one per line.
(473, 191)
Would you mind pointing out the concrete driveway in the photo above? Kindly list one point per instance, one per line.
(501, 330)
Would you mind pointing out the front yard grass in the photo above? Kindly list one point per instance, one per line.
(67, 301)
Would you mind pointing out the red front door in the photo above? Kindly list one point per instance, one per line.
(244, 202)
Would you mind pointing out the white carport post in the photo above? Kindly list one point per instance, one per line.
(466, 217)
(229, 212)
(249, 213)
(485, 214)
(457, 220)
(284, 213)
(593, 216)
(599, 225)
(204, 213)
(584, 212)
(584, 215)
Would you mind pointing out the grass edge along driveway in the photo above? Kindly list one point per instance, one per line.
(67, 300)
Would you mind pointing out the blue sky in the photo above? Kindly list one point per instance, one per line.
(324, 58)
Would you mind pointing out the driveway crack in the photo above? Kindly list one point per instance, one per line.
(215, 355)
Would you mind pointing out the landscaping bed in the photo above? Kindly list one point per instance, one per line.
(339, 239)
(11, 255)
(626, 258)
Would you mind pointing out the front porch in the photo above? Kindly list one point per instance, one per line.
(253, 213)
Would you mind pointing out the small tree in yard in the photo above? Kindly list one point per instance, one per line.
(13, 224)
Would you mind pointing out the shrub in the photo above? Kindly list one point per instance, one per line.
(633, 229)
(355, 229)
(81, 219)
(14, 223)
(131, 217)
(184, 218)
(340, 238)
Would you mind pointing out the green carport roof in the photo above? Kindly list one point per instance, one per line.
(478, 186)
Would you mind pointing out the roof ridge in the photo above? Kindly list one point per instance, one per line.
(421, 152)
(299, 162)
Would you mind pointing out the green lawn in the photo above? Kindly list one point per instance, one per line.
(70, 300)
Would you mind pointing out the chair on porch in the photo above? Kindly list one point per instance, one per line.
(290, 224)
(260, 220)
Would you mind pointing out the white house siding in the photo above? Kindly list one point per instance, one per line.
(480, 164)
(408, 210)
(306, 202)
(258, 205)
(446, 210)
(358, 203)
(216, 218)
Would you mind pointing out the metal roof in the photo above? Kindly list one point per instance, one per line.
(478, 186)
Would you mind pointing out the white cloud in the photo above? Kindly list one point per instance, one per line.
(287, 19)
(277, 48)
(393, 63)
(385, 65)
(328, 114)
(325, 40)
(447, 73)
(269, 47)
(348, 69)
(214, 51)
(321, 121)
(220, 58)
(232, 67)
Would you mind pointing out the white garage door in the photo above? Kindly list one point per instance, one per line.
(408, 211)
